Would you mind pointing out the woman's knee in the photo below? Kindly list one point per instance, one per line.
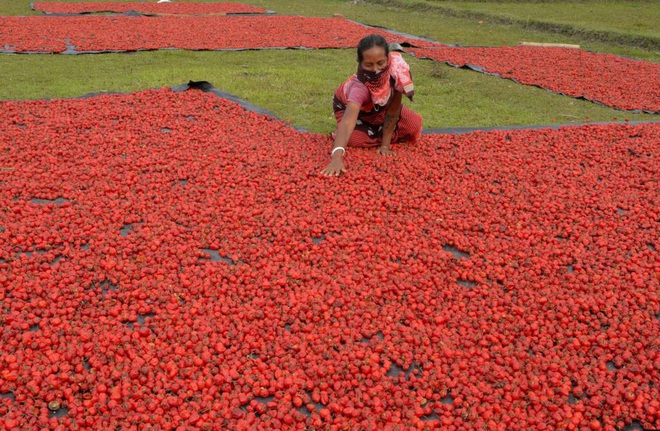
(410, 126)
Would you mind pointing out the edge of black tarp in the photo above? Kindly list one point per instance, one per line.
(207, 87)
(146, 14)
(481, 69)
(398, 33)
(466, 130)
(70, 50)
(204, 86)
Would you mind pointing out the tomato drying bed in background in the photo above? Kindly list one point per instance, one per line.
(152, 8)
(170, 259)
(119, 33)
(614, 81)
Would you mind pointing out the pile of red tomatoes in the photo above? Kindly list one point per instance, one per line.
(172, 261)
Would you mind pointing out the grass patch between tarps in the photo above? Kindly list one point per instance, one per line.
(298, 85)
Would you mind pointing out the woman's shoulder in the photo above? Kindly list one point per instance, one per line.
(356, 91)
(353, 83)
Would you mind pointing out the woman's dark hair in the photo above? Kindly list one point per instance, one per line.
(369, 42)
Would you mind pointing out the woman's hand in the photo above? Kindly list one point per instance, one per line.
(344, 130)
(384, 150)
(335, 168)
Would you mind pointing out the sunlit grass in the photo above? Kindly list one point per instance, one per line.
(635, 18)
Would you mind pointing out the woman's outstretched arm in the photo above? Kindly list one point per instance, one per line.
(344, 130)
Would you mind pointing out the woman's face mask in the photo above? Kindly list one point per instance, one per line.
(372, 75)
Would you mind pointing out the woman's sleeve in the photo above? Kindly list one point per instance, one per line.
(358, 93)
(402, 75)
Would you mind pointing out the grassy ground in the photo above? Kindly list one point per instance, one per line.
(630, 23)
(634, 18)
(298, 85)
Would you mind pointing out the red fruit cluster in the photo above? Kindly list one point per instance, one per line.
(169, 259)
(614, 81)
(147, 8)
(122, 33)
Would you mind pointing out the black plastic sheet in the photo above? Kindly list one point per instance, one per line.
(207, 87)
(136, 13)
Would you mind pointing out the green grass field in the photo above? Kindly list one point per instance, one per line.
(298, 85)
(635, 18)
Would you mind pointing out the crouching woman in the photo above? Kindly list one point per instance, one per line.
(367, 106)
